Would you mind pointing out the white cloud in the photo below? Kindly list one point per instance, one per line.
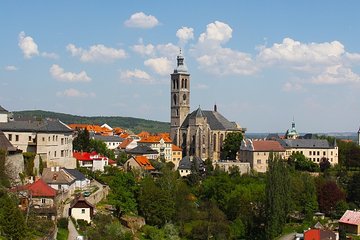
(58, 73)
(28, 45)
(185, 34)
(168, 50)
(71, 92)
(141, 20)
(160, 65)
(336, 74)
(201, 86)
(50, 55)
(144, 50)
(135, 76)
(217, 32)
(96, 53)
(295, 52)
(292, 86)
(11, 68)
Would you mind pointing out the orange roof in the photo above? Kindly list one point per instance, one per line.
(40, 189)
(144, 162)
(176, 148)
(124, 135)
(154, 139)
(268, 146)
(164, 135)
(118, 130)
(125, 143)
(144, 134)
(91, 128)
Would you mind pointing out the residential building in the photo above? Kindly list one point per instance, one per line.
(112, 142)
(95, 129)
(162, 145)
(140, 163)
(59, 179)
(257, 153)
(189, 165)
(320, 234)
(92, 161)
(199, 133)
(5, 116)
(81, 181)
(47, 138)
(350, 222)
(39, 197)
(313, 149)
(176, 155)
(143, 150)
(80, 208)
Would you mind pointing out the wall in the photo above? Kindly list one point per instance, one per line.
(14, 165)
(77, 214)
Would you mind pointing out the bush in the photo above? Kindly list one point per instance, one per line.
(63, 223)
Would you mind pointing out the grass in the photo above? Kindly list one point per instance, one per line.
(62, 234)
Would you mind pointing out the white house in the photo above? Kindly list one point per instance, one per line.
(59, 179)
(81, 209)
(161, 144)
(112, 142)
(92, 161)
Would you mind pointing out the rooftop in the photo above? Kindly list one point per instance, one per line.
(44, 125)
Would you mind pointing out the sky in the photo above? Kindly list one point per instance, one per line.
(264, 63)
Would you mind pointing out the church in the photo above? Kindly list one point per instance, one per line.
(200, 133)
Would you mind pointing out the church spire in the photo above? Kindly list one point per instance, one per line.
(180, 63)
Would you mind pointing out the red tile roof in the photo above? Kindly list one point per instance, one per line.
(144, 134)
(268, 146)
(155, 139)
(144, 162)
(92, 128)
(350, 217)
(85, 156)
(176, 148)
(40, 189)
(125, 143)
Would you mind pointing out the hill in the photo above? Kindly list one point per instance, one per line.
(135, 125)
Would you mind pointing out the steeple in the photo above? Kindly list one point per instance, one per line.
(180, 64)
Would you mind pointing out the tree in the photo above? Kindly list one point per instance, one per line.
(4, 179)
(82, 140)
(354, 189)
(329, 195)
(231, 145)
(324, 164)
(277, 196)
(301, 163)
(101, 148)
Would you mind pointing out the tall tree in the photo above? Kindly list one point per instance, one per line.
(329, 195)
(4, 179)
(82, 140)
(354, 189)
(277, 196)
(231, 145)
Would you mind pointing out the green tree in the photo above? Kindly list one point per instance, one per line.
(301, 163)
(277, 196)
(101, 148)
(82, 140)
(231, 145)
(121, 158)
(12, 222)
(4, 179)
(354, 189)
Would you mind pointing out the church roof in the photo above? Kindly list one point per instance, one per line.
(215, 120)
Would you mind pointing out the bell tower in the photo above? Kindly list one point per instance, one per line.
(179, 98)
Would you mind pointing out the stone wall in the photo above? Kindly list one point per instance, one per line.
(14, 165)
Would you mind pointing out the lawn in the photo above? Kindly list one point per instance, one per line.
(62, 234)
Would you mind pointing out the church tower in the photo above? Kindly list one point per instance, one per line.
(180, 98)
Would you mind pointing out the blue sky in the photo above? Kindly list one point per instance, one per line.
(262, 62)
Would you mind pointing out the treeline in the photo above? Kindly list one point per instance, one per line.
(135, 125)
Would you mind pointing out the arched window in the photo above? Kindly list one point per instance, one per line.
(177, 83)
(173, 81)
(182, 83)
(185, 83)
(214, 142)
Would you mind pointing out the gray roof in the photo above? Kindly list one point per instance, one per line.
(108, 138)
(141, 149)
(45, 125)
(57, 177)
(304, 143)
(3, 110)
(5, 144)
(215, 120)
(76, 173)
(185, 163)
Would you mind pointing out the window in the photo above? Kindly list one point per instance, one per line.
(17, 138)
(55, 154)
(62, 141)
(43, 200)
(29, 138)
(318, 153)
(49, 139)
(62, 153)
(258, 161)
(331, 153)
(310, 153)
(43, 139)
(324, 153)
(83, 211)
(53, 138)
(10, 137)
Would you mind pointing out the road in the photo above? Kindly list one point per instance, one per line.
(72, 231)
(290, 236)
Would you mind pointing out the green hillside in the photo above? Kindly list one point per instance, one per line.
(135, 125)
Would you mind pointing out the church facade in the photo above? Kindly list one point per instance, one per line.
(200, 133)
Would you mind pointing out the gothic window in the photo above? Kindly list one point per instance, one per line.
(214, 142)
(221, 140)
(173, 83)
(184, 97)
(177, 83)
(177, 112)
(185, 83)
(182, 83)
(203, 139)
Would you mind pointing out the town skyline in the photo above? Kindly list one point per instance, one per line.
(263, 64)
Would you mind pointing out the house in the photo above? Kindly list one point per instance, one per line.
(138, 162)
(350, 222)
(142, 150)
(144, 134)
(162, 144)
(51, 140)
(5, 116)
(257, 152)
(128, 143)
(92, 161)
(112, 142)
(14, 160)
(189, 165)
(176, 155)
(59, 179)
(242, 167)
(95, 129)
(39, 197)
(81, 181)
(80, 208)
(320, 234)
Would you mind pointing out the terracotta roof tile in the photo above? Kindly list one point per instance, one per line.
(268, 146)
(176, 148)
(350, 217)
(144, 162)
(155, 139)
(40, 189)
(125, 143)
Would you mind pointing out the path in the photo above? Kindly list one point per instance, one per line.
(290, 236)
(72, 231)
